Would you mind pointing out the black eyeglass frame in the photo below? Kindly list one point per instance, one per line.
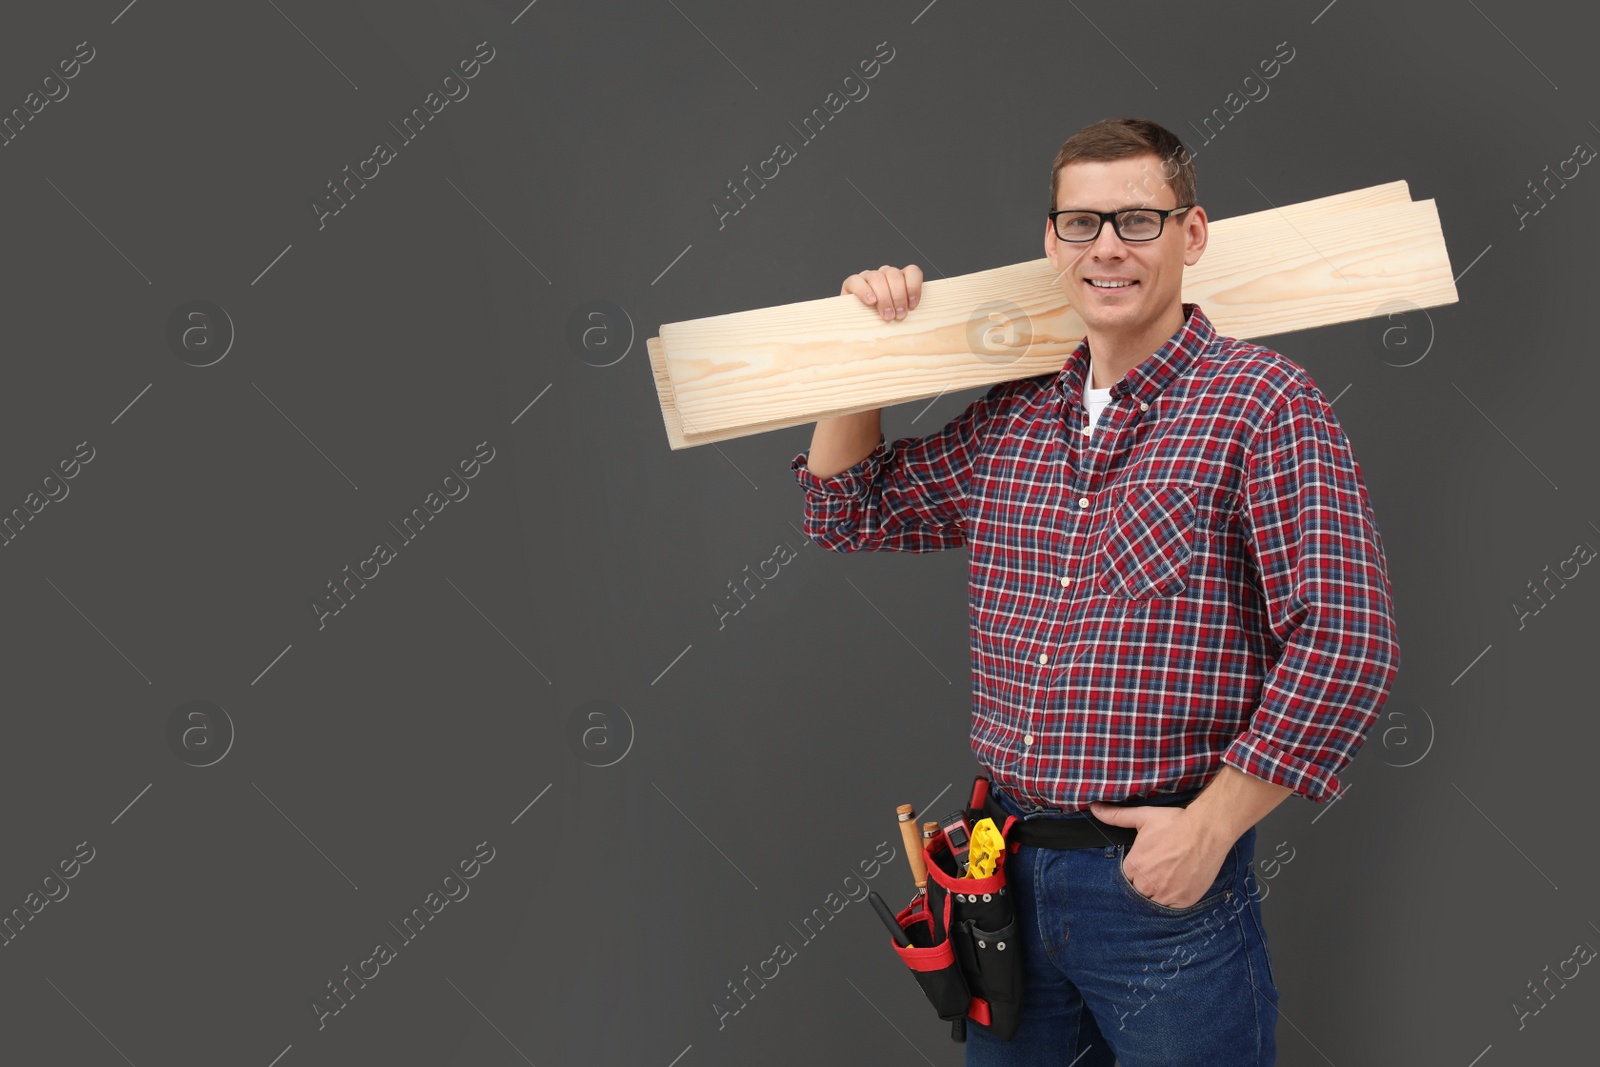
(1116, 227)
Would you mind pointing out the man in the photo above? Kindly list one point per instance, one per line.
(1179, 606)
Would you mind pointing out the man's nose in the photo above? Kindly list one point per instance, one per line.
(1107, 244)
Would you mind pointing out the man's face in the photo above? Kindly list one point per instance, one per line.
(1155, 268)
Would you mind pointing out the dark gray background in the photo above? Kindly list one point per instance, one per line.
(763, 759)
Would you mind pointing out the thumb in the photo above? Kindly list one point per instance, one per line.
(1118, 816)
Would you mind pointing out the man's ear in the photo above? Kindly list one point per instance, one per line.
(1196, 231)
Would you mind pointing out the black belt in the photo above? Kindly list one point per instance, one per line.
(1083, 831)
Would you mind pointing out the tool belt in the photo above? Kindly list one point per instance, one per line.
(965, 952)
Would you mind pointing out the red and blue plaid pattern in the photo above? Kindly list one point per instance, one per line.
(1200, 580)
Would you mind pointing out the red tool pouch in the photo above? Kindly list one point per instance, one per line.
(964, 951)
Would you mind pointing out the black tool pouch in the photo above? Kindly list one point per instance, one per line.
(964, 951)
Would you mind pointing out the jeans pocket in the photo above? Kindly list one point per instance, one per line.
(1221, 888)
(1148, 542)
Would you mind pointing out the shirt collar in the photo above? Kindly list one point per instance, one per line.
(1146, 381)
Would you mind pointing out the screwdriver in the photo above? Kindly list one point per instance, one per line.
(889, 920)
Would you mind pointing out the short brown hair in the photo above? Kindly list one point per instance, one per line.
(1111, 139)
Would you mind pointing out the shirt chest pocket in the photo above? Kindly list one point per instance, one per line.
(1149, 541)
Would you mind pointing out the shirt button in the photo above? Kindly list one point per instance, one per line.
(1087, 430)
(1043, 658)
(1027, 739)
(1143, 406)
(1065, 580)
(1083, 501)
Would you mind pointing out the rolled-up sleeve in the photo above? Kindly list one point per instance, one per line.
(909, 495)
(1314, 543)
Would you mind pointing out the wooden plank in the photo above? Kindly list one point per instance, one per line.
(830, 356)
(677, 437)
(1309, 264)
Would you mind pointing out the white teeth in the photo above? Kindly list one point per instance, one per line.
(1108, 285)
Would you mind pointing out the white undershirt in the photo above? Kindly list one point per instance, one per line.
(1094, 400)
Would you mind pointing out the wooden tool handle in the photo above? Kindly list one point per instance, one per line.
(913, 843)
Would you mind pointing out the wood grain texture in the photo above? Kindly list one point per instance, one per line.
(1314, 263)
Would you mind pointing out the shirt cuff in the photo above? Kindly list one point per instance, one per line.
(852, 482)
(1256, 756)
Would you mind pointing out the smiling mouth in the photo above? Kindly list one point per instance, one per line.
(1110, 285)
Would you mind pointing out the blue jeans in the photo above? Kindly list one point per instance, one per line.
(1112, 976)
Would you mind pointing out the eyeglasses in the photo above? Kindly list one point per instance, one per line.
(1136, 224)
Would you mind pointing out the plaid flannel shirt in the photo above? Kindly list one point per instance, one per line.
(1200, 581)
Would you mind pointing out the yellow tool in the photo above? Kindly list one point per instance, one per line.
(986, 849)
